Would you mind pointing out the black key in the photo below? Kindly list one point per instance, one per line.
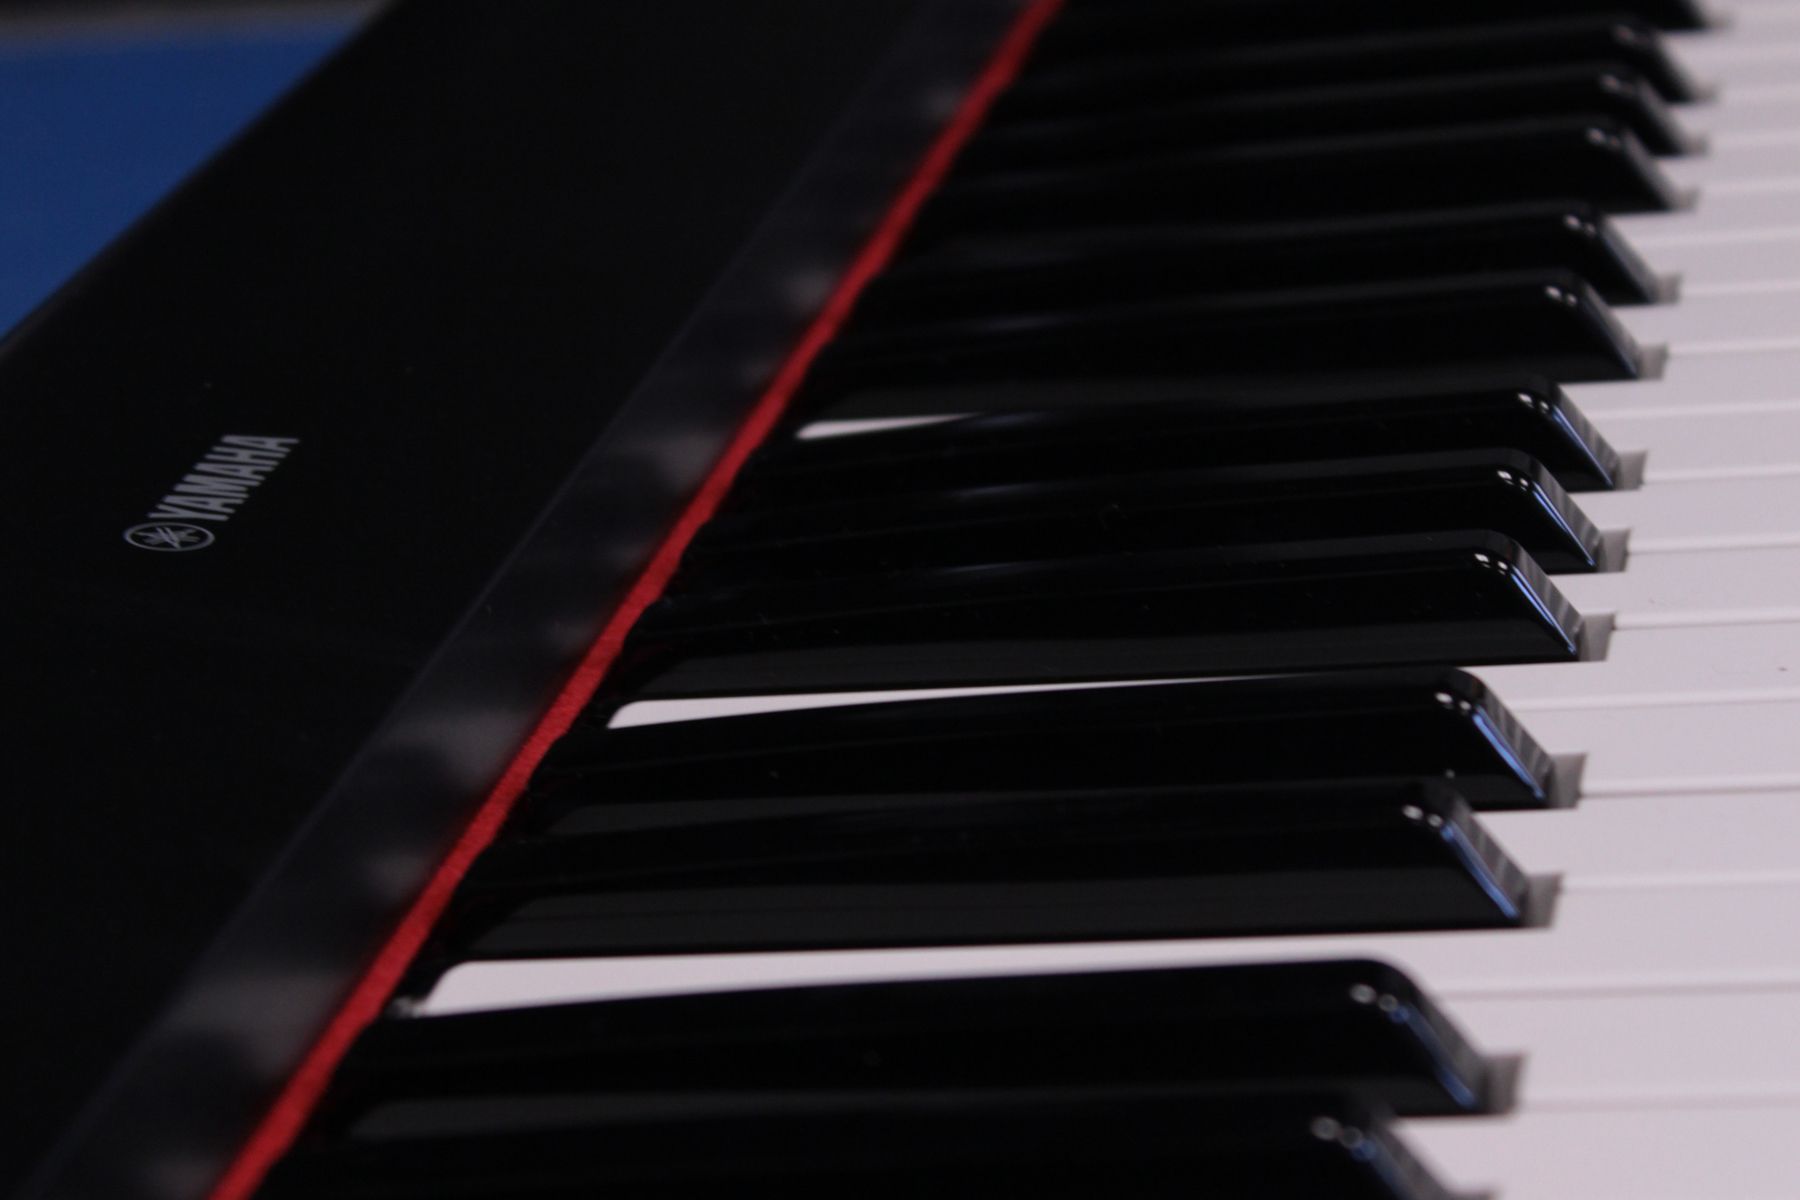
(1545, 323)
(1554, 159)
(1107, 27)
(951, 869)
(1424, 598)
(841, 534)
(1416, 724)
(1580, 90)
(950, 1143)
(1092, 436)
(1176, 74)
(1035, 272)
(1303, 1027)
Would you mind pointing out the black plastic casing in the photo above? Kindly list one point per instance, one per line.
(511, 276)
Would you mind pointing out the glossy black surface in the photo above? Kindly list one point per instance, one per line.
(1546, 323)
(1430, 598)
(1098, 437)
(951, 869)
(1114, 27)
(1416, 724)
(960, 1144)
(1503, 491)
(1309, 1027)
(1174, 73)
(1593, 159)
(1464, 598)
(1004, 272)
(1577, 90)
(249, 755)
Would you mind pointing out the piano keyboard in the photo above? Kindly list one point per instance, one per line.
(1260, 659)
(1098, 386)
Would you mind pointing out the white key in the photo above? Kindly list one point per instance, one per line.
(1658, 841)
(1741, 19)
(1603, 939)
(1771, 57)
(1635, 1050)
(1737, 324)
(1703, 513)
(1597, 1067)
(1676, 749)
(1712, 587)
(1769, 263)
(1687, 446)
(1701, 385)
(1722, 214)
(1742, 117)
(1715, 51)
(1735, 32)
(1726, 161)
(1752, 18)
(1698, 1153)
(1762, 119)
(1728, 664)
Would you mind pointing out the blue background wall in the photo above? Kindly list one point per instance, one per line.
(97, 123)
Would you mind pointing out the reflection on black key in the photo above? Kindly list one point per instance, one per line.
(1175, 74)
(1591, 159)
(1306, 1027)
(1503, 491)
(1468, 598)
(952, 869)
(1049, 271)
(1541, 323)
(1408, 724)
(947, 1143)
(1110, 27)
(1092, 437)
(1580, 90)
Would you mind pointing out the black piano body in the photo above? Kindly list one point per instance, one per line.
(322, 478)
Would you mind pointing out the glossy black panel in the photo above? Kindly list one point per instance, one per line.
(1311, 1027)
(512, 274)
(1595, 160)
(1111, 27)
(1503, 491)
(948, 1143)
(1047, 270)
(961, 870)
(1173, 73)
(1579, 90)
(1425, 598)
(1546, 323)
(1095, 437)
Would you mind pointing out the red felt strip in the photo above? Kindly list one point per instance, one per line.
(368, 999)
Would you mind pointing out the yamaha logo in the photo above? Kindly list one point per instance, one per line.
(213, 491)
(169, 536)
